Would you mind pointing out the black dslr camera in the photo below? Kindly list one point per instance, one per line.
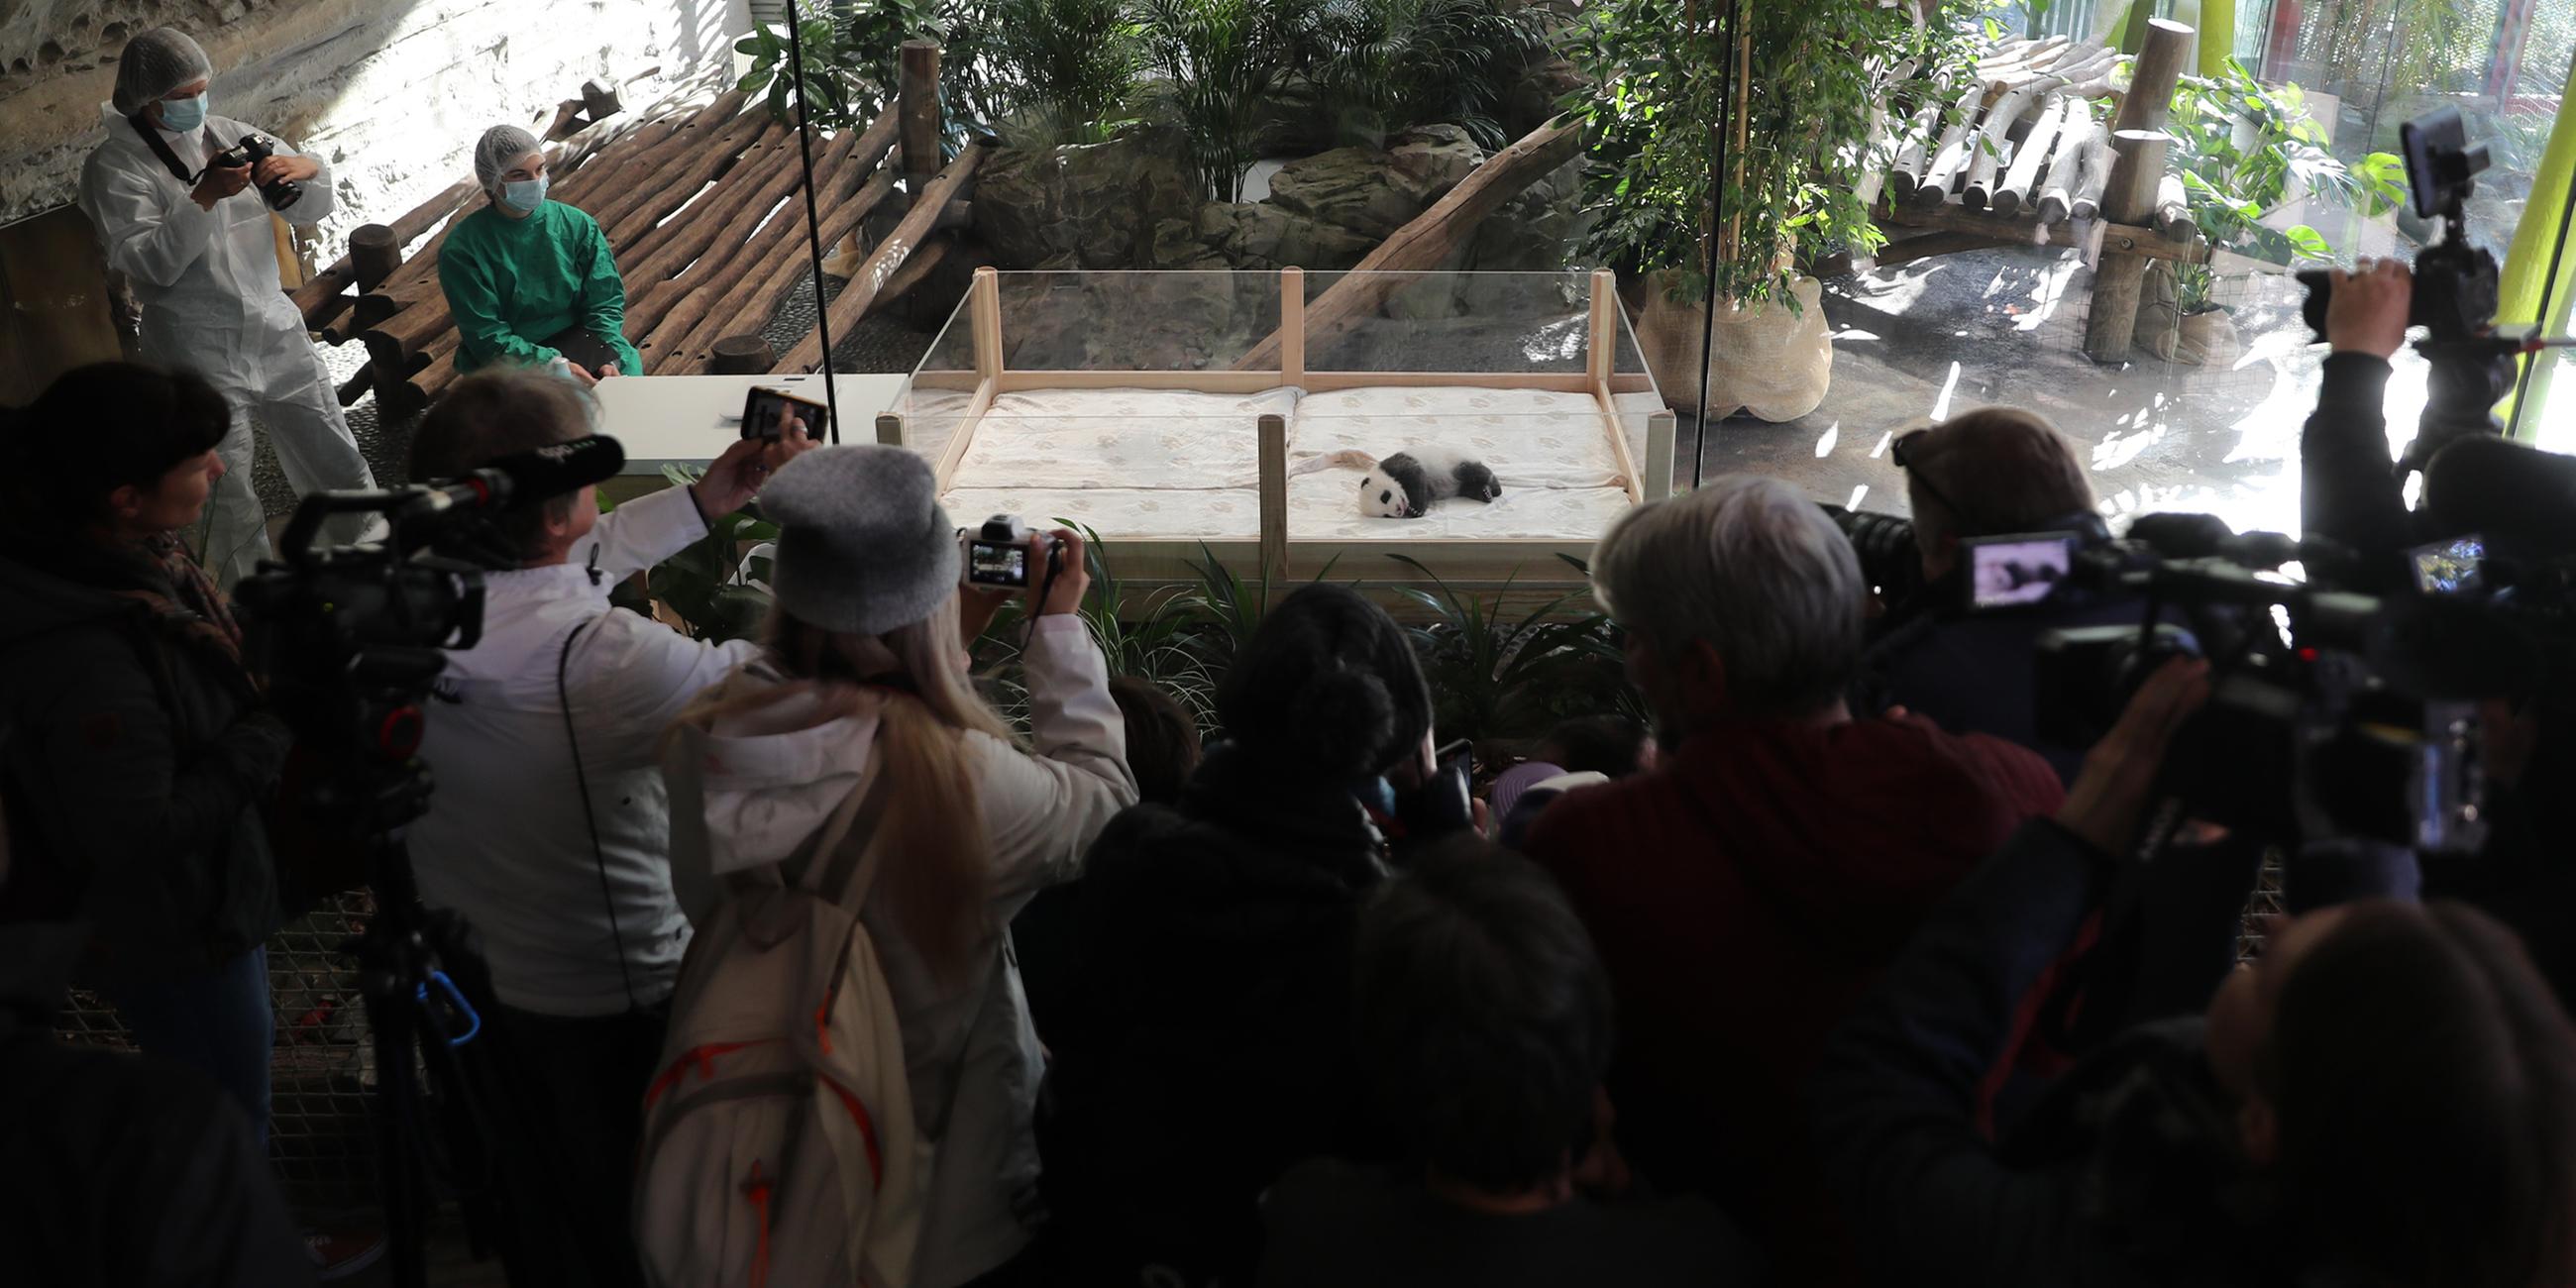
(253, 149)
(2457, 286)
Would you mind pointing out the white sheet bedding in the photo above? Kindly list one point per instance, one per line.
(1120, 438)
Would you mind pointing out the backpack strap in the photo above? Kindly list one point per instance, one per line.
(849, 838)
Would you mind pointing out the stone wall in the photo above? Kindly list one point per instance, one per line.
(393, 92)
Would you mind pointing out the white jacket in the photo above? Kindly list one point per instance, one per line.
(970, 1053)
(206, 279)
(505, 841)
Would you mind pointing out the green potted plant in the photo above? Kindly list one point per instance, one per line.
(1651, 117)
(2245, 151)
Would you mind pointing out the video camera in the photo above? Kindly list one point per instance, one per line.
(2457, 286)
(351, 636)
(2330, 709)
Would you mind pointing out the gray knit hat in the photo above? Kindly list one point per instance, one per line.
(864, 547)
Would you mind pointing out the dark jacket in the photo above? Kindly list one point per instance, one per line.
(1207, 1045)
(1744, 893)
(2126, 1174)
(134, 769)
(122, 1169)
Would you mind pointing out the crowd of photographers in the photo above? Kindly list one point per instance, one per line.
(1901, 946)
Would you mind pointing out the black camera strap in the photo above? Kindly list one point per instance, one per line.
(161, 149)
(589, 816)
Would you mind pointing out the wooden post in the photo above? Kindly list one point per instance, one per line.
(1602, 356)
(374, 253)
(986, 323)
(1292, 326)
(599, 102)
(889, 429)
(917, 94)
(742, 355)
(2138, 144)
(1658, 464)
(1274, 505)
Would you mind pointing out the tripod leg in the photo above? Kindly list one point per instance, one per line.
(397, 1126)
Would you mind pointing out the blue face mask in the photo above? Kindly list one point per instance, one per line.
(525, 195)
(180, 115)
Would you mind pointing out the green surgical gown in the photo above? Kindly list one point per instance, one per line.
(515, 283)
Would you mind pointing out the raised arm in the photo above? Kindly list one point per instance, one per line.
(1043, 808)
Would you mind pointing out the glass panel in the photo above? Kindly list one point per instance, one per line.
(1135, 321)
(1458, 322)
(1942, 334)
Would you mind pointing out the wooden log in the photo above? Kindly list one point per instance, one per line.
(785, 262)
(375, 252)
(2149, 102)
(632, 196)
(917, 100)
(2173, 208)
(742, 355)
(1907, 174)
(600, 101)
(1427, 241)
(756, 180)
(2028, 231)
(1873, 175)
(1951, 157)
(2066, 171)
(356, 386)
(567, 121)
(852, 304)
(2098, 158)
(726, 264)
(2110, 324)
(914, 270)
(322, 297)
(723, 213)
(2016, 188)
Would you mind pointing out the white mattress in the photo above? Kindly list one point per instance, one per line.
(1120, 438)
(1155, 465)
(1529, 438)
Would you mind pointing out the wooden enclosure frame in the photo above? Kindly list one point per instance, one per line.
(1461, 562)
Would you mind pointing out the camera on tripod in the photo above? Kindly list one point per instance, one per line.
(253, 149)
(2457, 287)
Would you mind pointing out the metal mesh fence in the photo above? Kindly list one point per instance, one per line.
(321, 1137)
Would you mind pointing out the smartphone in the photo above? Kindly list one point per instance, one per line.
(2455, 567)
(2007, 572)
(765, 413)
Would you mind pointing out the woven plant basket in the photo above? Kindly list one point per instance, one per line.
(1769, 360)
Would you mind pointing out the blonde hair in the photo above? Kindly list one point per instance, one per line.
(936, 870)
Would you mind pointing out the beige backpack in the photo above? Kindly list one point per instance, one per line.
(779, 1145)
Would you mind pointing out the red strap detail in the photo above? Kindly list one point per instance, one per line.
(702, 1058)
(823, 1026)
(867, 1129)
(2025, 1049)
(757, 1190)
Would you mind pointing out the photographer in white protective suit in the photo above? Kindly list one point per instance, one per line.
(196, 244)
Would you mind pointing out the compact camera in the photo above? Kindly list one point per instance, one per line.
(253, 149)
(997, 555)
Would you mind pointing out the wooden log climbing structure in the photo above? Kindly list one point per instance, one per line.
(2033, 148)
(701, 204)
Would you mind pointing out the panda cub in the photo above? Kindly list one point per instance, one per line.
(1405, 485)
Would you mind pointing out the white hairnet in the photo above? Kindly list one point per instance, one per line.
(155, 63)
(502, 145)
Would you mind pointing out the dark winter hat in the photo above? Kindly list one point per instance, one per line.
(1327, 686)
(863, 547)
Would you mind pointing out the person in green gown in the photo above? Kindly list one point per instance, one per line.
(531, 281)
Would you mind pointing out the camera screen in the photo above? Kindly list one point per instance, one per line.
(2451, 567)
(2007, 571)
(995, 563)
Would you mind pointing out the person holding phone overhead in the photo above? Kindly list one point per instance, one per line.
(530, 281)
